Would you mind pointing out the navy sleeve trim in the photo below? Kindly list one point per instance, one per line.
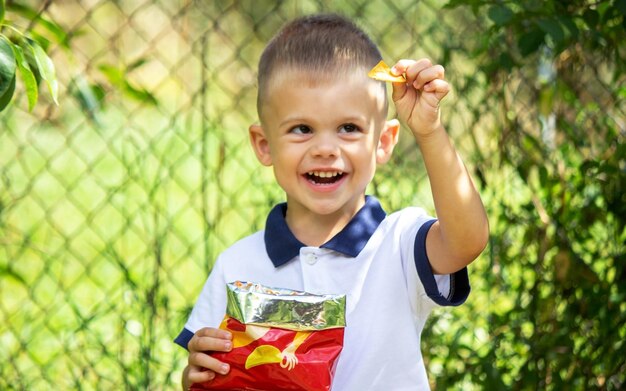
(459, 281)
(183, 338)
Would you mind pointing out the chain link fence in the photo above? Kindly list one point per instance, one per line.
(114, 204)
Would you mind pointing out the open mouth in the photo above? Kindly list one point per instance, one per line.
(324, 177)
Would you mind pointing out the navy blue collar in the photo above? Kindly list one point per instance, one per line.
(282, 245)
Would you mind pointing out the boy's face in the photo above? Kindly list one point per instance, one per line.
(324, 137)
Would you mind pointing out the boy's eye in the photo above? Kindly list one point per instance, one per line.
(300, 129)
(348, 128)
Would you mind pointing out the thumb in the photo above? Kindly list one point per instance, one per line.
(398, 91)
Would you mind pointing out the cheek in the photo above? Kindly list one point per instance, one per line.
(362, 151)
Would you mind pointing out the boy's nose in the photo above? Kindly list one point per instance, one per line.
(325, 146)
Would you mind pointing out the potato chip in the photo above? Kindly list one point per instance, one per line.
(264, 354)
(382, 72)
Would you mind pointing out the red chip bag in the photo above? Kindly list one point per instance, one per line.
(282, 340)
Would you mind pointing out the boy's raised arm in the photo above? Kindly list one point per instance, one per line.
(462, 231)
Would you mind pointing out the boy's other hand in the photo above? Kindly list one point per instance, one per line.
(201, 366)
(417, 99)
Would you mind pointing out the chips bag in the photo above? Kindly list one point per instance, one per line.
(282, 339)
(382, 72)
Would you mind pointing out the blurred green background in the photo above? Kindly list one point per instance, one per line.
(115, 203)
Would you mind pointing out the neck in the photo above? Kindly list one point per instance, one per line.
(314, 229)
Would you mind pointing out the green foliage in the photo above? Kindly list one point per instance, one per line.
(7, 72)
(556, 182)
(26, 52)
(118, 77)
(20, 52)
(53, 30)
(28, 77)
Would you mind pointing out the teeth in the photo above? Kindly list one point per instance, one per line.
(324, 174)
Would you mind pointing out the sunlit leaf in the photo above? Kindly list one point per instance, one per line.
(46, 68)
(8, 272)
(113, 74)
(57, 32)
(136, 64)
(139, 94)
(30, 59)
(118, 77)
(7, 65)
(27, 76)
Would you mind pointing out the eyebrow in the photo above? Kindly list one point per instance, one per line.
(292, 120)
(347, 119)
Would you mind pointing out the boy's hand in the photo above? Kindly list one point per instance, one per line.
(206, 340)
(417, 100)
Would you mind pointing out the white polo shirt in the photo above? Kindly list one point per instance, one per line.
(379, 262)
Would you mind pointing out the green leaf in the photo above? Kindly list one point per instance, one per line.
(136, 64)
(30, 59)
(592, 18)
(529, 42)
(570, 26)
(5, 99)
(506, 61)
(6, 271)
(89, 96)
(140, 94)
(455, 3)
(115, 75)
(46, 68)
(118, 77)
(28, 78)
(53, 28)
(7, 65)
(621, 6)
(2, 8)
(552, 28)
(500, 14)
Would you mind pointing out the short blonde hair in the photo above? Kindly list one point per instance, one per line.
(320, 44)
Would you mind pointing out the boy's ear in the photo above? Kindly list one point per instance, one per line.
(260, 144)
(387, 141)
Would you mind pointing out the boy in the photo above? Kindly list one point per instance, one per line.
(323, 129)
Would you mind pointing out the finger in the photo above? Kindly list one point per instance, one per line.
(427, 75)
(203, 360)
(439, 87)
(205, 344)
(196, 375)
(213, 332)
(401, 66)
(398, 91)
(406, 65)
(411, 68)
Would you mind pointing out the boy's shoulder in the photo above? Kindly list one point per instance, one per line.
(409, 215)
(251, 244)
